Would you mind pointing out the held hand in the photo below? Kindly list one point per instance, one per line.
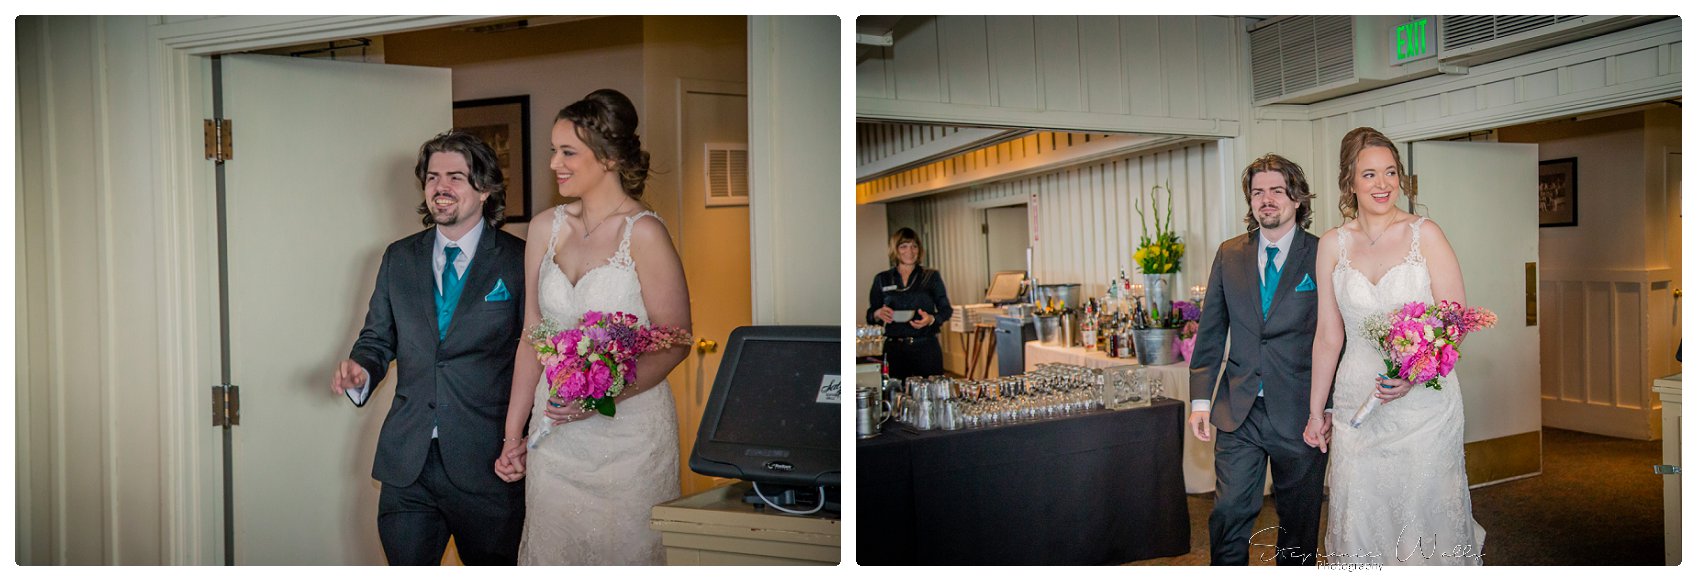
(1316, 433)
(562, 412)
(922, 320)
(509, 466)
(349, 375)
(885, 314)
(1391, 388)
(1200, 427)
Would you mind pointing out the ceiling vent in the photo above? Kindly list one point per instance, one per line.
(1473, 40)
(1298, 60)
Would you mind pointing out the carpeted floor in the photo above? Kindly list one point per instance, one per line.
(1596, 503)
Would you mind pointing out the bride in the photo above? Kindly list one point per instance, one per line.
(1398, 483)
(591, 482)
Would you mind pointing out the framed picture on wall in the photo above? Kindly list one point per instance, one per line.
(504, 124)
(1558, 192)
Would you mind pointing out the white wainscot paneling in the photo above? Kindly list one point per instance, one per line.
(1594, 330)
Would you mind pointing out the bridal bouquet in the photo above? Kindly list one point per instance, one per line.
(594, 361)
(1419, 341)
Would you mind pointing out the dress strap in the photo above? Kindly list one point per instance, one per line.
(554, 236)
(1343, 247)
(1414, 242)
(622, 257)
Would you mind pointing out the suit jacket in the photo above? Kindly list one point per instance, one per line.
(460, 384)
(1272, 355)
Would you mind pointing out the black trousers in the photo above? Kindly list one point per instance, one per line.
(1240, 468)
(415, 521)
(922, 356)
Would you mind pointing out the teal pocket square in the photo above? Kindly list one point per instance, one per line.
(500, 293)
(1307, 284)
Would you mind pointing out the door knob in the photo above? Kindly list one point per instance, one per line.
(705, 346)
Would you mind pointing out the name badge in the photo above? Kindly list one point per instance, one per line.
(890, 288)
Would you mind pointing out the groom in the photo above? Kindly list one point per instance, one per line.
(448, 308)
(1262, 292)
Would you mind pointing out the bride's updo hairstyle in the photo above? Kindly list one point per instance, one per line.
(1356, 140)
(606, 122)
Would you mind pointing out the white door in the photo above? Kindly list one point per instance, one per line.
(1007, 234)
(1485, 197)
(714, 247)
(321, 182)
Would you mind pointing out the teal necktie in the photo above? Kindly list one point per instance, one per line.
(1269, 280)
(449, 295)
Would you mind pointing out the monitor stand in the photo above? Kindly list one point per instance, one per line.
(795, 498)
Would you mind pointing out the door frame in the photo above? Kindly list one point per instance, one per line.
(180, 54)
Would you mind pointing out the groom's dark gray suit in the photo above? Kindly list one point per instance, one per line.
(456, 386)
(1271, 355)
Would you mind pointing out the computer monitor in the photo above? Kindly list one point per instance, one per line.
(774, 413)
(1004, 287)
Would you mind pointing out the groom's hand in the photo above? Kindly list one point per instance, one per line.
(349, 375)
(1200, 427)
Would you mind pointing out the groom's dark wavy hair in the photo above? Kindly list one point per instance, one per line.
(1296, 187)
(485, 172)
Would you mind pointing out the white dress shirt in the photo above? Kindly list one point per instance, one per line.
(1261, 244)
(438, 261)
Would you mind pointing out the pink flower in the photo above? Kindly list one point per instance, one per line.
(1447, 356)
(598, 378)
(1414, 310)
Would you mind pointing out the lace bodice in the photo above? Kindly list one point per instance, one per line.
(1360, 298)
(608, 287)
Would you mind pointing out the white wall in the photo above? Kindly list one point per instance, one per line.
(92, 395)
(871, 255)
(1151, 74)
(795, 173)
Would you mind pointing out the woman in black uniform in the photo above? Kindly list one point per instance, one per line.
(911, 303)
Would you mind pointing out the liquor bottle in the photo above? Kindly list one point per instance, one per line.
(1124, 350)
(1087, 326)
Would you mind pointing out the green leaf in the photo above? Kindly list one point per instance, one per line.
(606, 406)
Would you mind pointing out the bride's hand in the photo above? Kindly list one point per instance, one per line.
(1314, 434)
(1391, 388)
(560, 412)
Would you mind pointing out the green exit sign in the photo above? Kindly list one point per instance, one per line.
(1413, 40)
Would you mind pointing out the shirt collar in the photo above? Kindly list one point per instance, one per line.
(1283, 242)
(467, 243)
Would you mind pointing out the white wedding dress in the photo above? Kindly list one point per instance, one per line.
(1398, 483)
(589, 485)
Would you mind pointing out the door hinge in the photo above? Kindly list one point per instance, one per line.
(219, 140)
(1666, 469)
(226, 405)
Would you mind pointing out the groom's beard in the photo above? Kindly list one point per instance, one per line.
(1269, 222)
(444, 216)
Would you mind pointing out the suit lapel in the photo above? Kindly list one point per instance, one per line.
(1250, 271)
(1296, 264)
(425, 283)
(478, 280)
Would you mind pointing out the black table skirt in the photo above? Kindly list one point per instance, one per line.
(1099, 488)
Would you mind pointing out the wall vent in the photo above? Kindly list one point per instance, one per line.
(727, 174)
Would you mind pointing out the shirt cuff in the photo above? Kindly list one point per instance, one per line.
(1199, 405)
(359, 396)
